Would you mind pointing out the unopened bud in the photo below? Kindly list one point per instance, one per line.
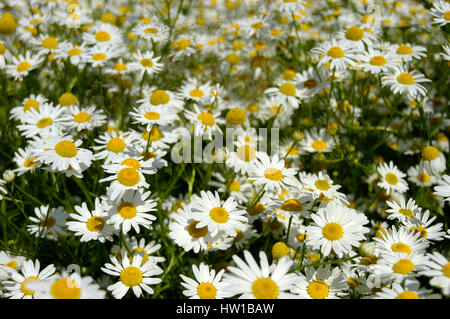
(298, 136)
(9, 176)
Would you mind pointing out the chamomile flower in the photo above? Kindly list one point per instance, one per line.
(205, 123)
(400, 80)
(322, 186)
(433, 160)
(407, 52)
(103, 33)
(419, 176)
(91, 225)
(356, 36)
(397, 291)
(123, 179)
(33, 101)
(76, 54)
(210, 211)
(321, 283)
(399, 267)
(132, 211)
(164, 98)
(310, 82)
(46, 43)
(391, 178)
(207, 284)
(291, 6)
(100, 55)
(441, 12)
(251, 281)
(377, 61)
(339, 54)
(114, 144)
(193, 89)
(400, 241)
(86, 118)
(272, 174)
(438, 267)
(145, 63)
(63, 153)
(30, 271)
(336, 228)
(422, 224)
(146, 250)
(287, 92)
(151, 31)
(39, 122)
(133, 275)
(25, 161)
(402, 210)
(317, 141)
(21, 66)
(150, 115)
(443, 188)
(244, 157)
(48, 223)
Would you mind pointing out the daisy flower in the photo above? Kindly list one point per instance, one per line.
(336, 228)
(441, 12)
(291, 6)
(86, 118)
(193, 89)
(321, 186)
(131, 211)
(100, 54)
(76, 54)
(134, 275)
(407, 52)
(438, 267)
(39, 122)
(150, 115)
(250, 281)
(399, 267)
(356, 37)
(377, 61)
(123, 179)
(207, 284)
(286, 92)
(103, 33)
(91, 225)
(210, 211)
(401, 241)
(33, 101)
(433, 160)
(317, 142)
(322, 283)
(443, 187)
(25, 161)
(244, 158)
(49, 222)
(21, 66)
(402, 210)
(419, 176)
(391, 178)
(45, 43)
(272, 173)
(205, 123)
(310, 82)
(410, 291)
(114, 144)
(67, 285)
(159, 97)
(422, 224)
(146, 63)
(146, 250)
(30, 271)
(340, 54)
(151, 31)
(402, 81)
(63, 153)
(9, 263)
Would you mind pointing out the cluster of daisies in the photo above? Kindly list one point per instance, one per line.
(100, 97)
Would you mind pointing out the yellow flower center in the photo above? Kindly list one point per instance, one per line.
(319, 145)
(197, 232)
(259, 45)
(82, 117)
(131, 276)
(115, 145)
(152, 116)
(48, 222)
(391, 178)
(430, 153)
(219, 215)
(292, 205)
(378, 60)
(257, 209)
(206, 290)
(23, 66)
(95, 224)
(279, 250)
(405, 78)
(50, 43)
(67, 99)
(151, 30)
(318, 289)
(353, 282)
(403, 266)
(65, 288)
(332, 231)
(233, 58)
(31, 104)
(120, 67)
(139, 251)
(74, 51)
(42, 123)
(288, 89)
(127, 210)
(155, 134)
(310, 84)
(258, 25)
(147, 63)
(246, 153)
(404, 49)
(265, 288)
(239, 236)
(128, 176)
(354, 33)
(301, 237)
(24, 288)
(446, 270)
(236, 116)
(196, 93)
(66, 149)
(322, 184)
(235, 186)
(447, 15)
(30, 162)
(401, 248)
(99, 56)
(273, 174)
(102, 36)
(206, 118)
(407, 295)
(7, 23)
(336, 53)
(159, 97)
(424, 178)
(134, 163)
